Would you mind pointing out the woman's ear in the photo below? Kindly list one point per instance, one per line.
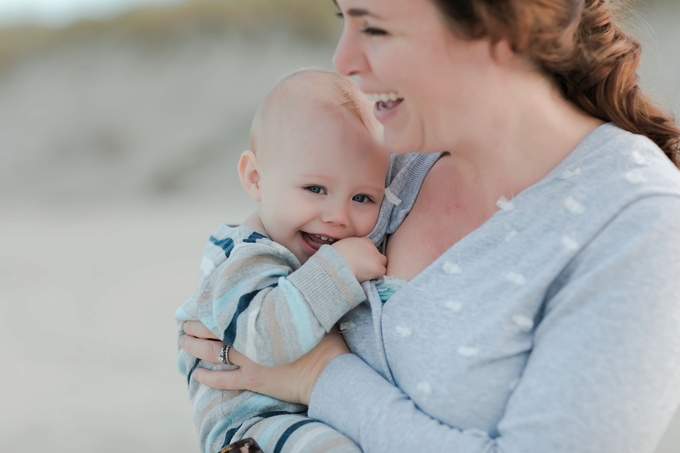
(502, 51)
(249, 175)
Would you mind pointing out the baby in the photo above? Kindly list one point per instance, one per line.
(273, 286)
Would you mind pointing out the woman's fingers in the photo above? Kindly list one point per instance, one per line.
(222, 380)
(197, 329)
(236, 357)
(293, 382)
(208, 350)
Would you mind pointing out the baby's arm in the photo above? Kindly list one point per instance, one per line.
(250, 297)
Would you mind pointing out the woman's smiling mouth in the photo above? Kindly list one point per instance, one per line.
(385, 101)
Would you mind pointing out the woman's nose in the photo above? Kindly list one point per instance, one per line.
(348, 58)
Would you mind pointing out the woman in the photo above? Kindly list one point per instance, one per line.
(542, 307)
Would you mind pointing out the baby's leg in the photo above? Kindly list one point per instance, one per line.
(295, 433)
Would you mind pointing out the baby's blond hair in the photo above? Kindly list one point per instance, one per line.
(316, 87)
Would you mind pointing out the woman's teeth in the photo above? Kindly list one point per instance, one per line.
(384, 97)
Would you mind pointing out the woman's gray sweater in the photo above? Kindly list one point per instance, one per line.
(553, 327)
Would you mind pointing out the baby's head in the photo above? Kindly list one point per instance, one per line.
(316, 165)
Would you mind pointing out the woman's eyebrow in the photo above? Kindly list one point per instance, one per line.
(357, 12)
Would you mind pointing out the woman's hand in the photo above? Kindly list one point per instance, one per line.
(293, 383)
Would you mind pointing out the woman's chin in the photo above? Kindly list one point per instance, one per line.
(400, 143)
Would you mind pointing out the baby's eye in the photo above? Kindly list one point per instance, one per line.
(316, 189)
(361, 198)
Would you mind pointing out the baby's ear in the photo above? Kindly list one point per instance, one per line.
(248, 174)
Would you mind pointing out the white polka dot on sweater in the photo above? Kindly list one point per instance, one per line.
(424, 388)
(403, 332)
(346, 326)
(570, 173)
(467, 351)
(504, 204)
(392, 198)
(569, 243)
(574, 206)
(454, 306)
(517, 279)
(451, 268)
(638, 158)
(511, 235)
(523, 322)
(635, 177)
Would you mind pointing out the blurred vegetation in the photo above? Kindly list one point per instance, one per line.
(313, 19)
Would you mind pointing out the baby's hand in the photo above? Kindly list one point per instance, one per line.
(366, 261)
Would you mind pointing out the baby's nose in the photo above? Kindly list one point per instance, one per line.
(337, 214)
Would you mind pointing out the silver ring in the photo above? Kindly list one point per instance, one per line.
(224, 355)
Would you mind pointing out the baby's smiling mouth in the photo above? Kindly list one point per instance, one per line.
(321, 240)
(317, 240)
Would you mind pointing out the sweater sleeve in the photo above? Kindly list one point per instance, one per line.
(255, 302)
(602, 376)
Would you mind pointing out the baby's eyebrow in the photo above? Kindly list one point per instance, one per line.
(317, 176)
(358, 12)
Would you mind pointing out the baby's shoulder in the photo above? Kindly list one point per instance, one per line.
(238, 242)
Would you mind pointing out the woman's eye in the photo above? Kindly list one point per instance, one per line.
(361, 198)
(372, 31)
(316, 189)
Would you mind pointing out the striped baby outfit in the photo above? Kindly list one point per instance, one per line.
(254, 295)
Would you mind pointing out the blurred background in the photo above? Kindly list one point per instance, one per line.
(120, 125)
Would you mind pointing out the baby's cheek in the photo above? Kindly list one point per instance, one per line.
(368, 222)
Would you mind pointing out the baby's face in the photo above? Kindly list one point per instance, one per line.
(323, 181)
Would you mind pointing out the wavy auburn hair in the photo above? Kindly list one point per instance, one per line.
(578, 44)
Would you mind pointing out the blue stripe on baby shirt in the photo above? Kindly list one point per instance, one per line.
(286, 434)
(191, 371)
(226, 244)
(254, 237)
(243, 302)
(232, 431)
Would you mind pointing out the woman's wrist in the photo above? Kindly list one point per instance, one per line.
(327, 351)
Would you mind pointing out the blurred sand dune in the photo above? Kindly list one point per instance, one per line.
(118, 158)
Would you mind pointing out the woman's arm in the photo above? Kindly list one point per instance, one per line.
(293, 382)
(602, 376)
(603, 373)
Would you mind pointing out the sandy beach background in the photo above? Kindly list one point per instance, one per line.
(118, 143)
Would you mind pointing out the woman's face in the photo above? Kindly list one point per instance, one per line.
(429, 86)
